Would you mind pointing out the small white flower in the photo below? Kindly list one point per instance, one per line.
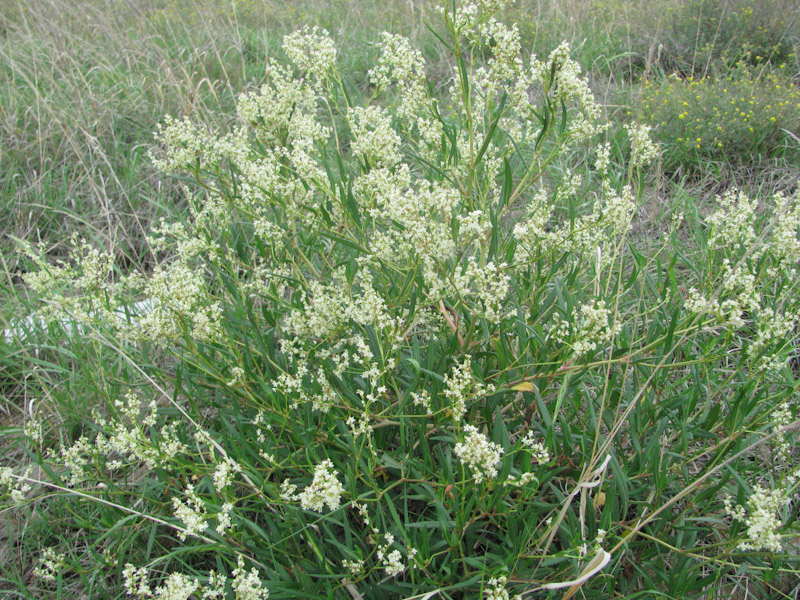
(392, 561)
(324, 489)
(288, 491)
(14, 486)
(496, 590)
(643, 150)
(761, 518)
(224, 518)
(50, 563)
(176, 587)
(192, 513)
(224, 474)
(479, 454)
(356, 567)
(135, 581)
(247, 585)
(539, 452)
(422, 399)
(311, 51)
(237, 373)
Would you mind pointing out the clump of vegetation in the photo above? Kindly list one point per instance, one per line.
(705, 37)
(741, 118)
(395, 351)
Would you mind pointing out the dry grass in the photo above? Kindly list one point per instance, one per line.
(83, 84)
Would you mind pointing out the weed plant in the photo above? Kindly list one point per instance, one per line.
(394, 353)
(745, 117)
(709, 37)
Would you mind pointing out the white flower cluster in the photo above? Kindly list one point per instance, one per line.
(284, 118)
(224, 520)
(470, 14)
(360, 426)
(539, 453)
(521, 481)
(16, 487)
(224, 474)
(488, 285)
(603, 159)
(772, 328)
(505, 63)
(569, 86)
(761, 518)
(176, 586)
(288, 491)
(496, 590)
(325, 489)
(237, 373)
(185, 146)
(392, 560)
(181, 237)
(327, 307)
(312, 52)
(461, 386)
(78, 291)
(424, 215)
(739, 285)
(616, 211)
(479, 454)
(785, 244)
(192, 513)
(423, 400)
(355, 567)
(135, 581)
(738, 296)
(77, 458)
(643, 150)
(473, 225)
(188, 147)
(531, 231)
(50, 564)
(733, 223)
(351, 353)
(246, 585)
(697, 303)
(781, 417)
(591, 325)
(129, 439)
(126, 440)
(374, 137)
(33, 430)
(180, 298)
(402, 64)
(590, 236)
(738, 301)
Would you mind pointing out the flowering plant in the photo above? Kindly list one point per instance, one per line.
(415, 312)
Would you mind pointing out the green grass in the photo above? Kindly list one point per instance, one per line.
(672, 410)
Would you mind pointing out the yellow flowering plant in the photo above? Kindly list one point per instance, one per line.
(744, 117)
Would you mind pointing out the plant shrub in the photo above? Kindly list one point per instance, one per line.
(740, 118)
(384, 360)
